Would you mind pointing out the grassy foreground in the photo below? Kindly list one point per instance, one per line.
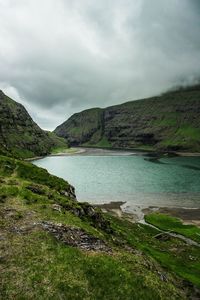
(37, 262)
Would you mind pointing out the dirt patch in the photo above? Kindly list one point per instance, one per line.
(110, 205)
(117, 210)
(75, 237)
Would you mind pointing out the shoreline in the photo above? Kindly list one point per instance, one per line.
(73, 151)
(137, 213)
(187, 215)
(188, 154)
(79, 151)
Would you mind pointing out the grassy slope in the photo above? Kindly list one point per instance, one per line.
(58, 141)
(34, 265)
(91, 126)
(168, 223)
(20, 136)
(103, 143)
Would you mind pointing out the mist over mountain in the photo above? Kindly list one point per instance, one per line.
(60, 57)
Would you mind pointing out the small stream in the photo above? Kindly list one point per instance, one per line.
(173, 234)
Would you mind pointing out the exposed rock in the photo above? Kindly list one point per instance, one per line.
(70, 193)
(24, 229)
(86, 210)
(162, 237)
(163, 277)
(75, 237)
(37, 189)
(57, 207)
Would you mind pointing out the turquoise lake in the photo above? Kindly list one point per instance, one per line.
(134, 179)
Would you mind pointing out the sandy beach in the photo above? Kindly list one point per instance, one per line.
(187, 215)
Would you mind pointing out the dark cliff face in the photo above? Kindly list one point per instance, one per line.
(19, 134)
(167, 122)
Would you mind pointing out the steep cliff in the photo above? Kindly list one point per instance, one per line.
(19, 134)
(167, 122)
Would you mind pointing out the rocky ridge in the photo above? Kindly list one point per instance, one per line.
(19, 134)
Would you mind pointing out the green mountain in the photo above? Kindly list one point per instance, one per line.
(167, 122)
(20, 135)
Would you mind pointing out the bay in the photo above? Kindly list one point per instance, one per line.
(134, 179)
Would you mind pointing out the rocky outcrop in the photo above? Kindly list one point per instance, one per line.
(19, 134)
(75, 237)
(167, 122)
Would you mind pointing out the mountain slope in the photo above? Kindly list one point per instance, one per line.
(19, 134)
(167, 122)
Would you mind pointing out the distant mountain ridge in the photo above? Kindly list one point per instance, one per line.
(167, 122)
(20, 136)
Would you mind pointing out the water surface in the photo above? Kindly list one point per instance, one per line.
(136, 179)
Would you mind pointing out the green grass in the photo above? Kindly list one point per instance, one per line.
(29, 172)
(190, 132)
(190, 271)
(167, 122)
(34, 265)
(66, 150)
(104, 143)
(185, 137)
(56, 271)
(168, 223)
(170, 254)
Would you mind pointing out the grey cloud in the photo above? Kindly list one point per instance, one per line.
(61, 56)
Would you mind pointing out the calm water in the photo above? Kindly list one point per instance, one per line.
(134, 179)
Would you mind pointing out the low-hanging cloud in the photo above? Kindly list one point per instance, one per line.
(58, 57)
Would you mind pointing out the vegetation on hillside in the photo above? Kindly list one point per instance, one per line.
(173, 224)
(53, 247)
(168, 122)
(20, 136)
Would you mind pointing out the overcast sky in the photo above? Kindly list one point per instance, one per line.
(58, 57)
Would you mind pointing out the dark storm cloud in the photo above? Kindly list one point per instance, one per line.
(58, 57)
